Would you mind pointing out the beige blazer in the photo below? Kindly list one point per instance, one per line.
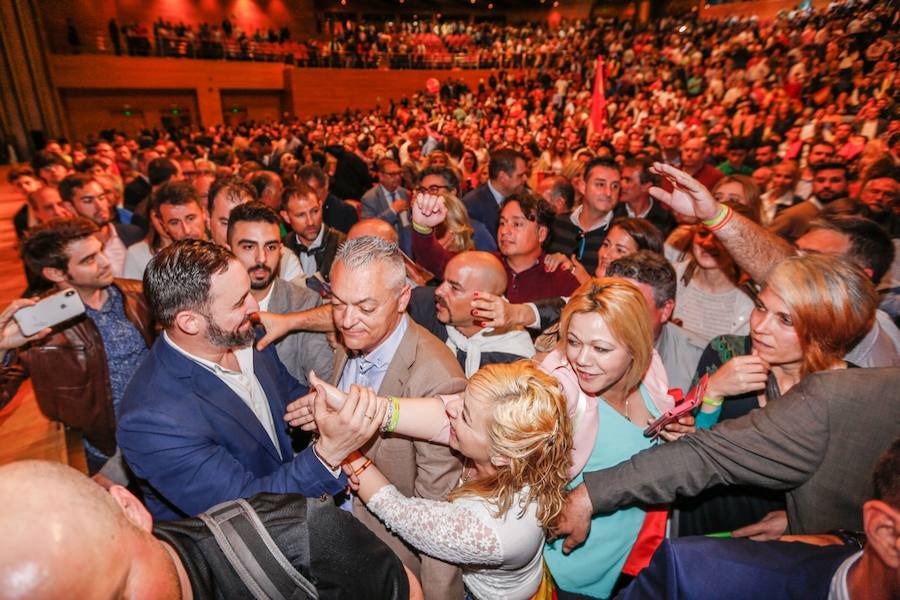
(422, 367)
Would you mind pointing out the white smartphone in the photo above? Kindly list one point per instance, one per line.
(50, 311)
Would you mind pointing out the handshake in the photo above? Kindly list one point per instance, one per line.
(345, 421)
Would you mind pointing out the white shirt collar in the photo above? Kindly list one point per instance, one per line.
(264, 303)
(838, 589)
(575, 218)
(244, 357)
(640, 216)
(316, 242)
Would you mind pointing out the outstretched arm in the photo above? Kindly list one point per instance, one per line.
(752, 247)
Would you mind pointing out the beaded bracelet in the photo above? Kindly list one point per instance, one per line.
(392, 416)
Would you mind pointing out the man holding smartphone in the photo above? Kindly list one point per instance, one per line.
(81, 368)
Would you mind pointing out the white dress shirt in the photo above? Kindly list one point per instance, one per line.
(243, 383)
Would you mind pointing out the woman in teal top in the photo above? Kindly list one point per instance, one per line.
(607, 340)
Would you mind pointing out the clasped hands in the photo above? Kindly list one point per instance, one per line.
(345, 421)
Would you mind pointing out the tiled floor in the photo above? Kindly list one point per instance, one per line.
(24, 431)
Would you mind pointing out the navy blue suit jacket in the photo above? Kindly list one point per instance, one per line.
(482, 206)
(193, 443)
(701, 568)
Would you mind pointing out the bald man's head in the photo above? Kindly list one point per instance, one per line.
(467, 273)
(65, 536)
(374, 227)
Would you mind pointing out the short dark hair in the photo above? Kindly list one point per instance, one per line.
(448, 175)
(89, 163)
(535, 209)
(383, 163)
(639, 163)
(644, 233)
(312, 171)
(503, 161)
(176, 193)
(160, 170)
(46, 158)
(650, 268)
(870, 245)
(232, 186)
(830, 166)
(73, 182)
(45, 245)
(20, 171)
(598, 162)
(252, 212)
(261, 180)
(563, 188)
(886, 476)
(294, 191)
(179, 276)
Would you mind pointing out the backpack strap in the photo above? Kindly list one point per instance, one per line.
(253, 554)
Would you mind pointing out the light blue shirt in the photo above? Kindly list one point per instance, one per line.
(497, 195)
(369, 370)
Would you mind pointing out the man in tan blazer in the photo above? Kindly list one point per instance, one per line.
(388, 351)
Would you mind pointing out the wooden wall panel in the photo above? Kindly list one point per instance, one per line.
(92, 110)
(252, 105)
(264, 88)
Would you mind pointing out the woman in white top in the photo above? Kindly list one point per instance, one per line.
(709, 301)
(512, 427)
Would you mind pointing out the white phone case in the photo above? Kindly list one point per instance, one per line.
(50, 311)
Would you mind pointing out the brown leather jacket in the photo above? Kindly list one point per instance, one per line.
(70, 375)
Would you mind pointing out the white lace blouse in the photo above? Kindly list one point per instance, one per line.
(501, 558)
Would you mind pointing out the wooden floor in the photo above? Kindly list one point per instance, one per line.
(24, 431)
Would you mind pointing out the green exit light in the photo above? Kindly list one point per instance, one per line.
(174, 111)
(235, 109)
(127, 113)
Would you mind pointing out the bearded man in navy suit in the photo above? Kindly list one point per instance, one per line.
(202, 420)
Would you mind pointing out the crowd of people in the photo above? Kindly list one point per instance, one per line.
(448, 324)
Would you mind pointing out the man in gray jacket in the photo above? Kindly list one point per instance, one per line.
(254, 237)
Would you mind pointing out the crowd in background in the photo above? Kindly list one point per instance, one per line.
(478, 298)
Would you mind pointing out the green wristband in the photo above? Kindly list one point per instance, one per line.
(395, 415)
(720, 216)
(423, 229)
(712, 402)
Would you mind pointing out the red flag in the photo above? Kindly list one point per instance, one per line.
(598, 103)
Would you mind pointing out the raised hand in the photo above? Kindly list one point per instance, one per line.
(496, 311)
(689, 197)
(738, 376)
(277, 326)
(345, 430)
(428, 210)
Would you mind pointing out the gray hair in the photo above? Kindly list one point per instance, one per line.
(360, 253)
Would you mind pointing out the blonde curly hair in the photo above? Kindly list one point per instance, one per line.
(530, 428)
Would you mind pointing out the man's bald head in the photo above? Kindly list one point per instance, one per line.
(65, 536)
(373, 227)
(467, 273)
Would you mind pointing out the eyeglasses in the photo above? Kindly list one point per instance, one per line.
(432, 189)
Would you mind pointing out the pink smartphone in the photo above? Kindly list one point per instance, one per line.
(692, 401)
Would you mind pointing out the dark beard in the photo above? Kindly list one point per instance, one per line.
(228, 339)
(261, 285)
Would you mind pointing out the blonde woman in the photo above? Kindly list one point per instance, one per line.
(604, 363)
(511, 426)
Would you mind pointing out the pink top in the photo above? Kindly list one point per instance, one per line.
(582, 408)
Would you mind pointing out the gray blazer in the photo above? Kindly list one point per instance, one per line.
(301, 351)
(422, 367)
(819, 443)
(375, 204)
(680, 351)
